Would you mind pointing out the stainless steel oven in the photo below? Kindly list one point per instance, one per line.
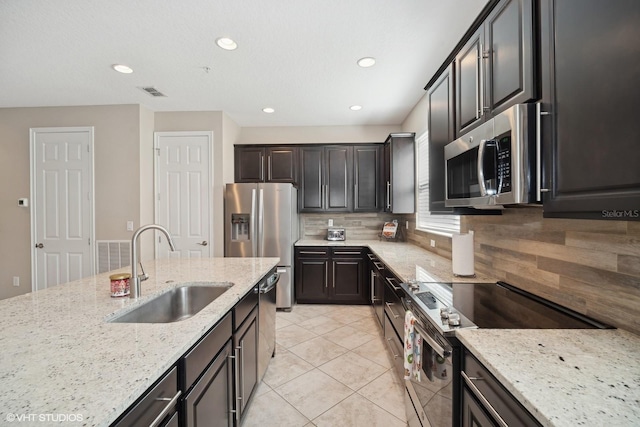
(495, 163)
(442, 308)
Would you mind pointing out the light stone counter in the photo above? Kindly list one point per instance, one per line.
(566, 377)
(60, 356)
(407, 261)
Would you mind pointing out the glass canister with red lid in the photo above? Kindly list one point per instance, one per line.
(120, 284)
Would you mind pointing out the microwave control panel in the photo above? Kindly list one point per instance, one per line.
(504, 164)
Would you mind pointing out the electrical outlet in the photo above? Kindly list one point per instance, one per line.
(129, 225)
(16, 281)
(330, 223)
(433, 243)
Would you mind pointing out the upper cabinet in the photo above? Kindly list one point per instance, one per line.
(590, 59)
(367, 164)
(266, 164)
(495, 69)
(400, 173)
(440, 122)
(326, 182)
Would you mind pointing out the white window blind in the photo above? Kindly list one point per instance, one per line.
(425, 221)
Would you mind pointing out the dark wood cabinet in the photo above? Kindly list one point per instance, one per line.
(591, 66)
(326, 183)
(265, 164)
(245, 343)
(376, 286)
(495, 68)
(335, 275)
(441, 125)
(399, 173)
(367, 174)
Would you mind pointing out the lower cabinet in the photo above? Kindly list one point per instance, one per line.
(331, 275)
(158, 405)
(485, 402)
(245, 346)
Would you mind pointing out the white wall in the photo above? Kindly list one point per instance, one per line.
(314, 134)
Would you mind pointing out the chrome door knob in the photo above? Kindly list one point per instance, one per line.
(39, 245)
(203, 243)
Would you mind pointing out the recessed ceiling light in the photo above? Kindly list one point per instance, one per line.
(366, 62)
(226, 43)
(268, 110)
(122, 68)
(355, 107)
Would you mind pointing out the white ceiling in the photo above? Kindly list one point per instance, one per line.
(297, 56)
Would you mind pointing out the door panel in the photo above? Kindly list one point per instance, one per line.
(311, 188)
(62, 171)
(338, 178)
(469, 100)
(240, 216)
(183, 182)
(276, 215)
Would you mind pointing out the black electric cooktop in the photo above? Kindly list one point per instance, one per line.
(493, 305)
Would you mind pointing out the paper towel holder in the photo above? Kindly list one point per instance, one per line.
(462, 255)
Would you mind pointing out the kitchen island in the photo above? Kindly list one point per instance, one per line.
(61, 356)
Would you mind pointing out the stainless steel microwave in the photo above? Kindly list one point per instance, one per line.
(495, 163)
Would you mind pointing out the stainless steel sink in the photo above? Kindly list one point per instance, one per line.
(177, 304)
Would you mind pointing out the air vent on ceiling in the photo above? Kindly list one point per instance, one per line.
(152, 91)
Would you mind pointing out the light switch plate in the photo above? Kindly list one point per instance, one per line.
(129, 225)
(330, 223)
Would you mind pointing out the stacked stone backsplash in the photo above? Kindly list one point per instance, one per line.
(356, 225)
(592, 267)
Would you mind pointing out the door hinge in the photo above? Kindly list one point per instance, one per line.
(158, 196)
(89, 241)
(157, 152)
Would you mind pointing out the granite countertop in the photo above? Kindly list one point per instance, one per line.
(407, 261)
(565, 377)
(60, 356)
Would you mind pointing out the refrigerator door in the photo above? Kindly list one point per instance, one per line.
(284, 288)
(240, 216)
(276, 221)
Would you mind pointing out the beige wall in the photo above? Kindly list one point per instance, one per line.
(117, 159)
(314, 134)
(416, 121)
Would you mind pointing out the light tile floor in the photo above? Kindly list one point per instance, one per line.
(331, 368)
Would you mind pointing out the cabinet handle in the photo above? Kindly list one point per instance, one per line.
(326, 197)
(480, 75)
(261, 167)
(388, 194)
(391, 280)
(231, 366)
(242, 366)
(395, 356)
(269, 167)
(378, 265)
(312, 252)
(355, 198)
(346, 253)
(326, 274)
(236, 375)
(333, 275)
(371, 256)
(373, 287)
(167, 409)
(539, 114)
(485, 403)
(395, 316)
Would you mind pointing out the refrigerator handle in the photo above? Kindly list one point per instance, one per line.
(252, 229)
(260, 223)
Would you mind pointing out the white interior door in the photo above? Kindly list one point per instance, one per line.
(183, 186)
(62, 205)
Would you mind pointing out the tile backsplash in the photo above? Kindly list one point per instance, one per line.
(592, 267)
(356, 225)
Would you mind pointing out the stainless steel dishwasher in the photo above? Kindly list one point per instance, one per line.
(267, 321)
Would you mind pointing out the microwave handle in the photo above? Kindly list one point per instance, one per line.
(483, 187)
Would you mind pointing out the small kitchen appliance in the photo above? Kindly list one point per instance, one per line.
(336, 234)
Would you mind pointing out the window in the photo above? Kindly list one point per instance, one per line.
(425, 221)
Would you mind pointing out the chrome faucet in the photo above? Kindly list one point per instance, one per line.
(135, 279)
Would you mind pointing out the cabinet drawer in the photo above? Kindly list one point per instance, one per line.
(394, 347)
(393, 308)
(197, 359)
(347, 252)
(153, 402)
(312, 251)
(485, 386)
(244, 307)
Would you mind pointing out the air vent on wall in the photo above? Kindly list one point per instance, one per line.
(152, 91)
(113, 254)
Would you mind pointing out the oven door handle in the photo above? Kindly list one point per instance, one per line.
(432, 343)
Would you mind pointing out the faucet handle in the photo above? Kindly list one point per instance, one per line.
(143, 277)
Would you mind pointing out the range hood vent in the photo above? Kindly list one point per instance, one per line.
(152, 91)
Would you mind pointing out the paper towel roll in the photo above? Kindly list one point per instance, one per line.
(462, 254)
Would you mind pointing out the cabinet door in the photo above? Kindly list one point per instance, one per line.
(472, 413)
(245, 342)
(469, 90)
(338, 178)
(348, 282)
(249, 164)
(509, 55)
(282, 163)
(591, 135)
(311, 278)
(211, 400)
(311, 184)
(366, 175)
(441, 132)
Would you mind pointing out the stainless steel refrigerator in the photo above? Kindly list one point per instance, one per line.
(261, 220)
